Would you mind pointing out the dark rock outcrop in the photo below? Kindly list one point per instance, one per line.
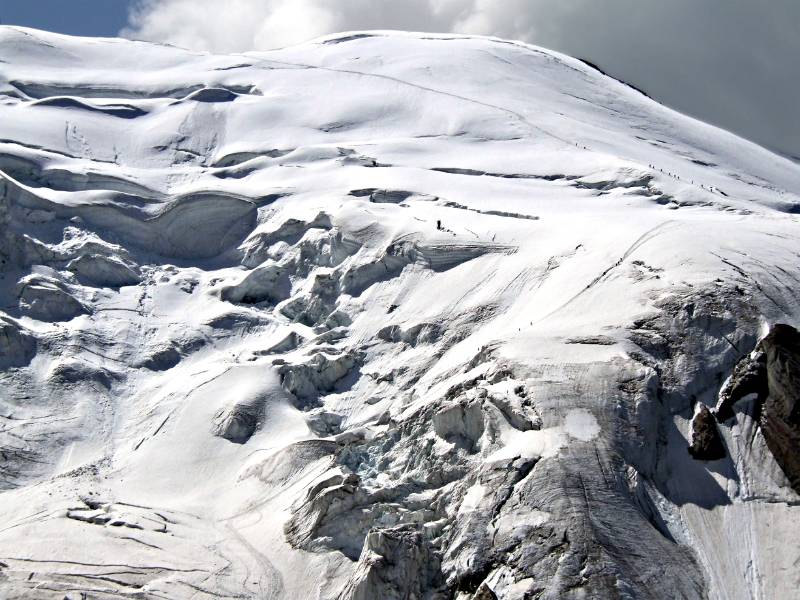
(484, 593)
(780, 416)
(772, 373)
(749, 377)
(706, 441)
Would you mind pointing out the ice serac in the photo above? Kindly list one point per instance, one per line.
(387, 315)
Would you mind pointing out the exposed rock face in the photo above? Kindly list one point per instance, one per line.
(484, 593)
(706, 441)
(749, 377)
(780, 417)
(6, 240)
(772, 373)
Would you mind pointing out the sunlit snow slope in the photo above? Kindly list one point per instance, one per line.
(383, 315)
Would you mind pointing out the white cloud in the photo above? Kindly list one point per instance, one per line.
(230, 26)
(237, 25)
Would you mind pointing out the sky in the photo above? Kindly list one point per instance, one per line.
(733, 63)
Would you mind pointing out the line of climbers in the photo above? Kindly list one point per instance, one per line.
(710, 188)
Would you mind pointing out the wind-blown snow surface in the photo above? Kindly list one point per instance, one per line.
(241, 361)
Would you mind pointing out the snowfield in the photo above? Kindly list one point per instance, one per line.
(387, 316)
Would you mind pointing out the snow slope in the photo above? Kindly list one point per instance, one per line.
(240, 360)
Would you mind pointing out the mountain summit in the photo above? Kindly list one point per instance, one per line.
(387, 315)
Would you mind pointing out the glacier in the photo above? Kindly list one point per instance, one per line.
(387, 315)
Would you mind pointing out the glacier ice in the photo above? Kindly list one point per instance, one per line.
(387, 316)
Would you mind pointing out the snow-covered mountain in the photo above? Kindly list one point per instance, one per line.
(387, 315)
